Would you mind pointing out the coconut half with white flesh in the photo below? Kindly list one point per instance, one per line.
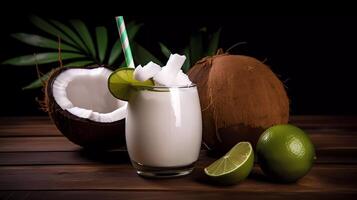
(82, 108)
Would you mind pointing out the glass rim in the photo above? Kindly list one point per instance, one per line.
(171, 87)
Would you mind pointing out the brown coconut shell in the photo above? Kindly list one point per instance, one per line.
(83, 132)
(240, 98)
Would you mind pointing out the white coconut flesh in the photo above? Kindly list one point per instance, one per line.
(84, 93)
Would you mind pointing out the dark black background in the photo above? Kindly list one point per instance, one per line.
(315, 56)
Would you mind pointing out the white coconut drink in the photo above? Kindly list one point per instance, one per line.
(163, 124)
(82, 108)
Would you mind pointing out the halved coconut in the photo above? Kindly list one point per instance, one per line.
(81, 106)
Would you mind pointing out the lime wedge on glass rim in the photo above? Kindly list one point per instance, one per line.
(233, 167)
(122, 85)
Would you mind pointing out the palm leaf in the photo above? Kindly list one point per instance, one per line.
(187, 64)
(82, 30)
(142, 55)
(196, 49)
(48, 28)
(115, 53)
(122, 63)
(165, 50)
(41, 58)
(132, 30)
(82, 63)
(102, 41)
(39, 41)
(73, 36)
(39, 82)
(213, 45)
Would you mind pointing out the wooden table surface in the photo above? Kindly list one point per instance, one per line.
(37, 162)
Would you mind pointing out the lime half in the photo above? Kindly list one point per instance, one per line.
(233, 167)
(122, 85)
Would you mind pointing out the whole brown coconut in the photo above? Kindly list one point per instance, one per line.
(240, 97)
(84, 132)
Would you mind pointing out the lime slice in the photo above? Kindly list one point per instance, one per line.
(122, 85)
(233, 167)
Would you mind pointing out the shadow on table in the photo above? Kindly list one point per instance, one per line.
(199, 176)
(107, 157)
(259, 176)
(256, 175)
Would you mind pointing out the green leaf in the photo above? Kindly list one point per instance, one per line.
(203, 29)
(187, 64)
(73, 36)
(132, 30)
(82, 63)
(165, 50)
(39, 82)
(122, 64)
(142, 55)
(102, 41)
(213, 45)
(39, 41)
(196, 50)
(48, 28)
(115, 53)
(82, 29)
(41, 58)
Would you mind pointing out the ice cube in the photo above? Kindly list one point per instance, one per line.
(182, 79)
(146, 72)
(176, 61)
(137, 72)
(168, 73)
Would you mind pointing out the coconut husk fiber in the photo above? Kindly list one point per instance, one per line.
(240, 98)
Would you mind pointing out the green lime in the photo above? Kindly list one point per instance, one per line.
(285, 153)
(122, 85)
(233, 167)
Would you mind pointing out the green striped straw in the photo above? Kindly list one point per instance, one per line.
(125, 41)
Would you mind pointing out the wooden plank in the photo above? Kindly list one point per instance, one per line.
(322, 178)
(54, 168)
(27, 126)
(325, 122)
(172, 195)
(336, 140)
(321, 140)
(64, 158)
(18, 120)
(42, 126)
(325, 156)
(30, 130)
(336, 156)
(14, 144)
(317, 119)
